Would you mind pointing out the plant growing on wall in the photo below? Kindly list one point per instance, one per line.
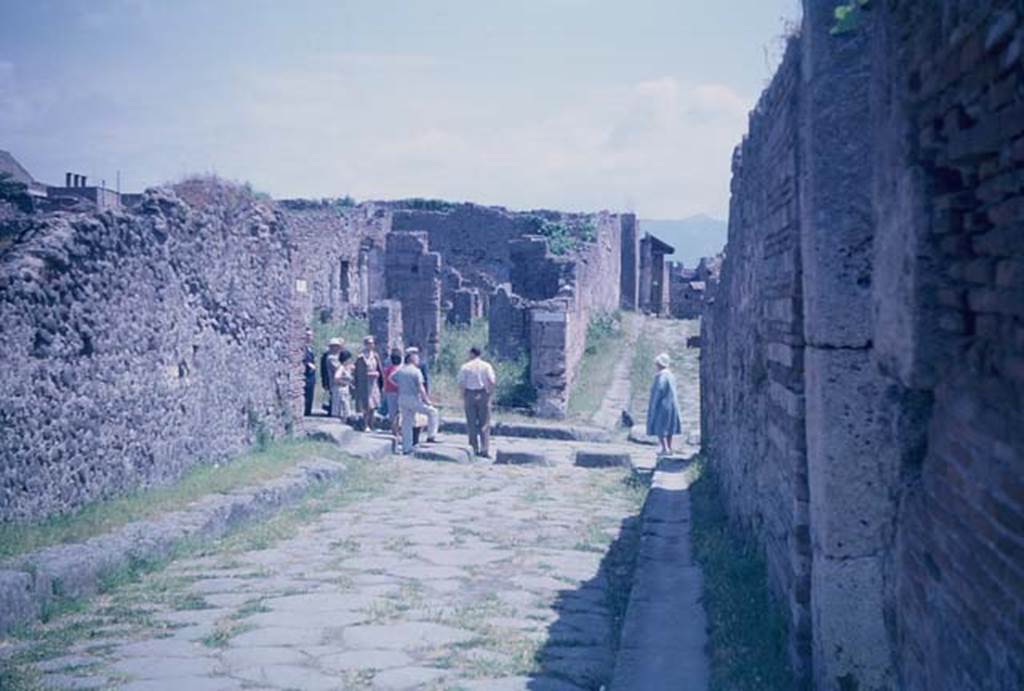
(564, 237)
(849, 16)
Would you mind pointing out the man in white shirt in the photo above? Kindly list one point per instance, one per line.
(477, 381)
(413, 399)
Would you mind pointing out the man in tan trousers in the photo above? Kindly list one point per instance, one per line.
(477, 381)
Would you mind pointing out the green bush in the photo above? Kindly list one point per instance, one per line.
(514, 389)
(565, 237)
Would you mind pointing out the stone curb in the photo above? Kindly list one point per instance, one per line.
(664, 633)
(31, 582)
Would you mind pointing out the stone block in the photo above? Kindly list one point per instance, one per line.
(18, 602)
(851, 644)
(852, 461)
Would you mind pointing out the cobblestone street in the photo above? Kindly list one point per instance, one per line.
(449, 577)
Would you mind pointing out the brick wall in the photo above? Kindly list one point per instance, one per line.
(861, 367)
(950, 133)
(753, 350)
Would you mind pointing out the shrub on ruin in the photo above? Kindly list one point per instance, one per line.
(565, 237)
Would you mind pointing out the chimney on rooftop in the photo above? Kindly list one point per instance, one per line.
(67, 179)
(83, 181)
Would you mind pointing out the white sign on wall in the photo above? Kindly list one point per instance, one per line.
(300, 286)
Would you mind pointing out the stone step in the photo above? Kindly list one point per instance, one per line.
(529, 430)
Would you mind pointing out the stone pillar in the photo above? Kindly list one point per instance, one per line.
(508, 334)
(465, 307)
(414, 278)
(386, 325)
(549, 367)
(629, 276)
(852, 471)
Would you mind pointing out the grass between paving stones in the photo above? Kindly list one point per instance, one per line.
(130, 599)
(606, 344)
(747, 629)
(103, 517)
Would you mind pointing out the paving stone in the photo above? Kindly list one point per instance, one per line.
(275, 636)
(290, 619)
(364, 659)
(184, 683)
(406, 678)
(165, 668)
(255, 656)
(405, 636)
(464, 557)
(159, 647)
(320, 602)
(428, 572)
(68, 681)
(289, 677)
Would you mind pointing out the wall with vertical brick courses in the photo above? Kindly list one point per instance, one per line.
(862, 372)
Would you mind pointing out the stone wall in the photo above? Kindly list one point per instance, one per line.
(413, 276)
(139, 344)
(948, 307)
(337, 252)
(862, 385)
(752, 358)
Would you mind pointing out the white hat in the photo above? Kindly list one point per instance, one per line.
(663, 361)
(412, 350)
(336, 342)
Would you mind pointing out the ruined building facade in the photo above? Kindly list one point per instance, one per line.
(862, 376)
(141, 341)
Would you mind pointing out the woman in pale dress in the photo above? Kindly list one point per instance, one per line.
(663, 408)
(342, 391)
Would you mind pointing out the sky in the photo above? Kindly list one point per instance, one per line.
(567, 104)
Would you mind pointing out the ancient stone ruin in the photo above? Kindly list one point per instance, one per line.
(861, 371)
(166, 334)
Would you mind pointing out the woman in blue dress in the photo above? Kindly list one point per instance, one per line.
(663, 407)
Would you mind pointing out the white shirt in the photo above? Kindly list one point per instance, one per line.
(477, 374)
(408, 379)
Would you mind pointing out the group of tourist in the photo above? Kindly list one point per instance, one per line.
(398, 390)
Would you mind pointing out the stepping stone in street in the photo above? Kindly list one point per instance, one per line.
(603, 459)
(521, 458)
(449, 453)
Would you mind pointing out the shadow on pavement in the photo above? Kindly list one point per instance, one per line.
(582, 642)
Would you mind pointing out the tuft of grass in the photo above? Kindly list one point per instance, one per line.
(104, 517)
(747, 629)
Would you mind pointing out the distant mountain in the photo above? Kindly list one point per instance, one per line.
(694, 237)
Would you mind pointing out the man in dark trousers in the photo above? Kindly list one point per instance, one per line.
(309, 372)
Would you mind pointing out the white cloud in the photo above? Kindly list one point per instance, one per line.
(659, 146)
